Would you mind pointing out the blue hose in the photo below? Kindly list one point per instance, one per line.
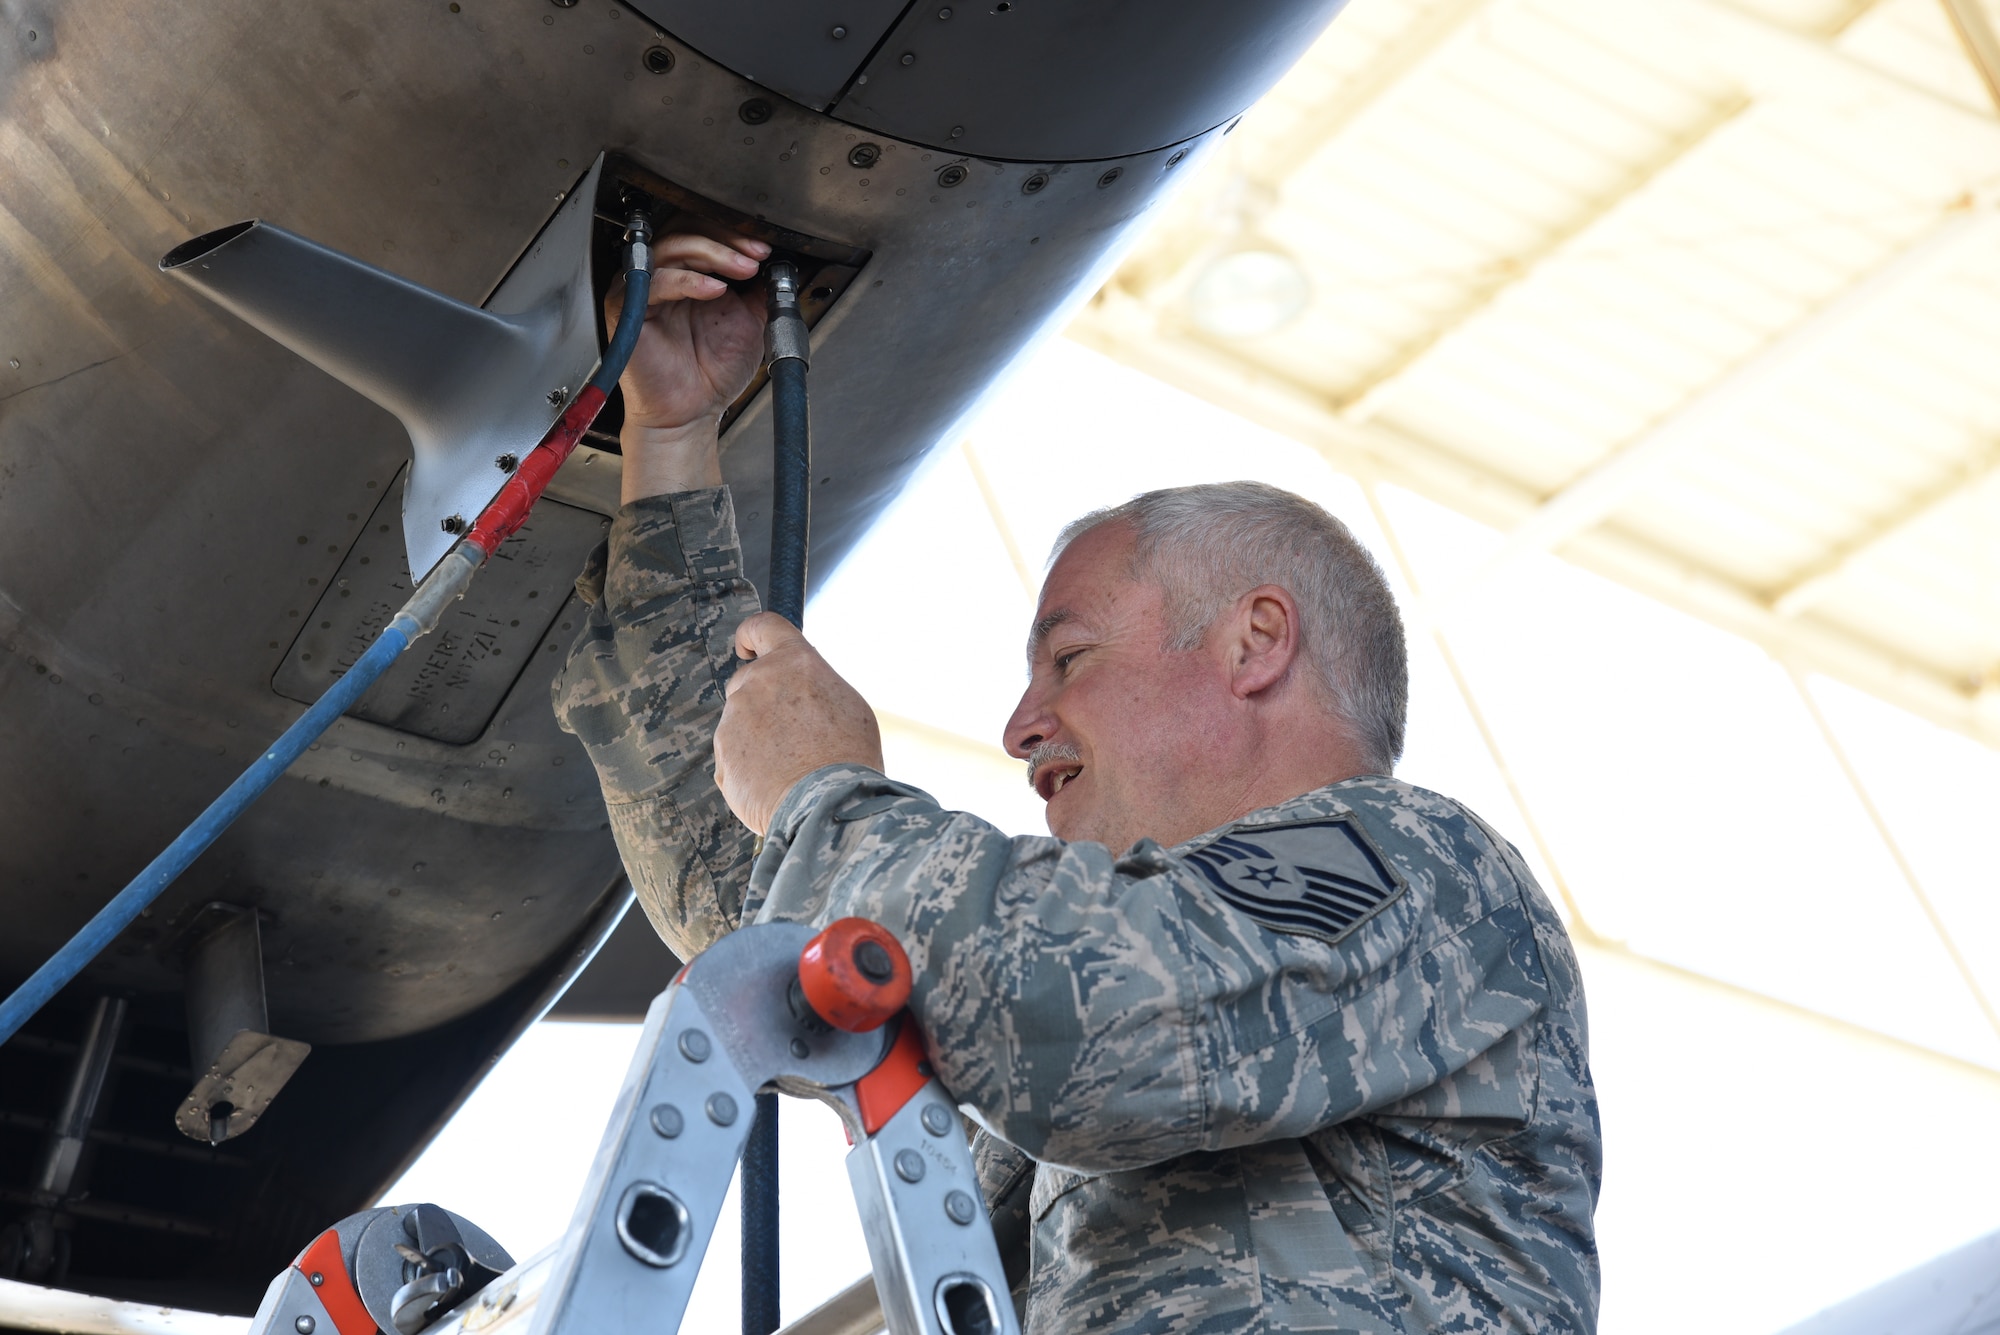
(144, 888)
(624, 338)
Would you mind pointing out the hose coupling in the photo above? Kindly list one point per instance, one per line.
(785, 333)
(638, 241)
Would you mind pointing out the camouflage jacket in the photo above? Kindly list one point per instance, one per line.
(1324, 1069)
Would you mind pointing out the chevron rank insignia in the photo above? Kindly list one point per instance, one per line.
(1316, 878)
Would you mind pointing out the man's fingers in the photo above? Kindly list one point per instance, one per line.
(683, 285)
(766, 631)
(691, 266)
(685, 250)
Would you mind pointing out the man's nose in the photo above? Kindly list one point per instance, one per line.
(1029, 727)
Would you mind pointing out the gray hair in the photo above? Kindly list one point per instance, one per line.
(1208, 545)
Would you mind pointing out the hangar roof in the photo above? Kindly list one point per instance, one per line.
(1703, 295)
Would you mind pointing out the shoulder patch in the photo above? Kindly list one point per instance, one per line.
(1315, 878)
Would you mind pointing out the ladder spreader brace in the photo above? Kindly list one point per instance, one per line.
(772, 1005)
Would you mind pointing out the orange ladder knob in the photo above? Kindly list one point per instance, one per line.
(855, 975)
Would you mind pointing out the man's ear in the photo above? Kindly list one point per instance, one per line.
(1264, 639)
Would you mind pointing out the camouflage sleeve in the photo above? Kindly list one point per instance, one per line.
(1006, 1180)
(643, 688)
(1107, 1013)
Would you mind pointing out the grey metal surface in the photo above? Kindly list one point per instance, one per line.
(632, 968)
(378, 1268)
(589, 480)
(806, 50)
(225, 981)
(291, 1307)
(598, 1284)
(1022, 80)
(855, 1310)
(239, 1065)
(1956, 1294)
(1079, 80)
(237, 1086)
(450, 684)
(742, 982)
(926, 1225)
(471, 386)
(722, 1032)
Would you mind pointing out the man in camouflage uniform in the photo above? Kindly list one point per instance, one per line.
(1267, 1040)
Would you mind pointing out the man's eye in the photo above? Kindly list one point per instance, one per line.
(1064, 660)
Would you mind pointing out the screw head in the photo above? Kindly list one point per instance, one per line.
(959, 1206)
(839, 33)
(315, 1279)
(936, 1120)
(557, 395)
(864, 155)
(721, 1109)
(953, 175)
(754, 112)
(452, 524)
(667, 1121)
(873, 962)
(658, 59)
(506, 463)
(1035, 184)
(909, 58)
(1175, 160)
(944, 13)
(909, 1165)
(957, 131)
(1109, 177)
(694, 1045)
(304, 1325)
(800, 1049)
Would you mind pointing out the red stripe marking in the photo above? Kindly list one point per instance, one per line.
(501, 519)
(884, 1090)
(336, 1288)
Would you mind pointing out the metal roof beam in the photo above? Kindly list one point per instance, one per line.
(1982, 46)
(1366, 401)
(1816, 582)
(1342, 102)
(1125, 329)
(1606, 485)
(1774, 59)
(1266, 160)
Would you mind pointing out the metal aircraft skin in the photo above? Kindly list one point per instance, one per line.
(198, 528)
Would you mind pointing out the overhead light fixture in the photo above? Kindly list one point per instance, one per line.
(1246, 293)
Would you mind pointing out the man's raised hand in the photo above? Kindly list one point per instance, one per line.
(788, 714)
(700, 346)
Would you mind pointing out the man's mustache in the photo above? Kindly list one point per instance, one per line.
(1048, 752)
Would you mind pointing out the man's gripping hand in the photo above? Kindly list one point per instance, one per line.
(788, 714)
(701, 343)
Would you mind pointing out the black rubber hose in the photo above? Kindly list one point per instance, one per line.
(760, 1220)
(625, 334)
(791, 489)
(791, 514)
